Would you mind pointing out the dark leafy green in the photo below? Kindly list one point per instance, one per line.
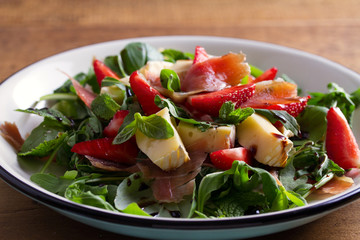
(136, 55)
(338, 97)
(217, 190)
(285, 118)
(228, 113)
(173, 55)
(152, 126)
(170, 80)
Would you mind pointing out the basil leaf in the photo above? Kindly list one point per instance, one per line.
(126, 133)
(136, 55)
(285, 118)
(51, 114)
(104, 106)
(154, 126)
(170, 80)
(173, 55)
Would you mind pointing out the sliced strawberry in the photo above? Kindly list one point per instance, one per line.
(102, 71)
(215, 73)
(103, 148)
(211, 103)
(144, 93)
(294, 106)
(84, 94)
(111, 130)
(200, 55)
(269, 74)
(340, 142)
(223, 159)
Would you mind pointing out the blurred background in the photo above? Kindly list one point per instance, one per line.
(32, 30)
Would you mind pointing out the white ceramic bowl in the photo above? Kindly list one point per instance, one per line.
(312, 73)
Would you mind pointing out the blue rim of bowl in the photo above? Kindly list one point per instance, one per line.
(173, 223)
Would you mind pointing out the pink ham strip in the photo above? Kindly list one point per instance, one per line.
(172, 186)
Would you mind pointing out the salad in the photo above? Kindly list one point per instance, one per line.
(166, 133)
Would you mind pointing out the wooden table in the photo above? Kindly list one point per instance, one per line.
(32, 30)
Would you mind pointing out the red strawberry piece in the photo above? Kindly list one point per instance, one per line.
(200, 55)
(111, 130)
(103, 148)
(269, 74)
(144, 93)
(340, 142)
(223, 159)
(211, 103)
(294, 106)
(102, 71)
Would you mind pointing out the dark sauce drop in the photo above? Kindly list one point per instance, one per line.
(175, 214)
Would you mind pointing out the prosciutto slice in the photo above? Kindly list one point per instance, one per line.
(173, 185)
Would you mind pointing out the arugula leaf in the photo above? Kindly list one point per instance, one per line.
(229, 115)
(43, 139)
(337, 96)
(180, 113)
(104, 106)
(285, 118)
(313, 121)
(173, 55)
(136, 55)
(170, 80)
(51, 114)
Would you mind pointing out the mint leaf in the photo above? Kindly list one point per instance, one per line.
(154, 126)
(49, 113)
(228, 114)
(170, 80)
(43, 139)
(104, 106)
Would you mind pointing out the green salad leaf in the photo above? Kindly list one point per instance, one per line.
(136, 55)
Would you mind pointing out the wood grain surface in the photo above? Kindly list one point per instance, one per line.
(32, 30)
